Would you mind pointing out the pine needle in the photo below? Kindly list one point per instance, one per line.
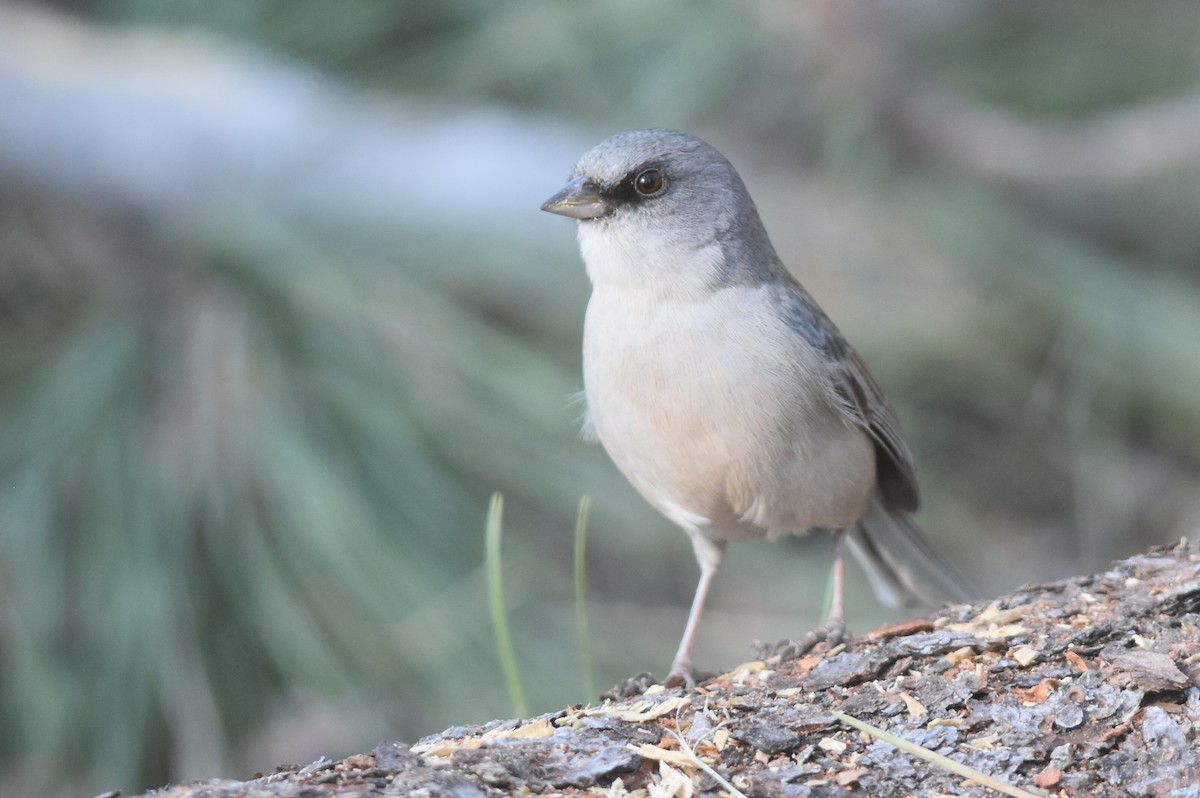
(935, 758)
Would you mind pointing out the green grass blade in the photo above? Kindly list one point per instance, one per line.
(495, 579)
(581, 618)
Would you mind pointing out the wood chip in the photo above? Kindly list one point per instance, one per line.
(985, 743)
(964, 654)
(1048, 778)
(832, 746)
(538, 729)
(848, 777)
(915, 707)
(671, 783)
(1024, 655)
(901, 629)
(648, 751)
(644, 711)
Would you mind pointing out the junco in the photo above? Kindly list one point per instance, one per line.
(719, 387)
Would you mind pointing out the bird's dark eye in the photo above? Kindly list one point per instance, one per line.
(648, 183)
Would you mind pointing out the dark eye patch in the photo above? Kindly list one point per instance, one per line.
(643, 182)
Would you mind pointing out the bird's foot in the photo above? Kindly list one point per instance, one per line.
(681, 675)
(832, 633)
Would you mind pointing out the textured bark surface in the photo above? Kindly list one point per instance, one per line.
(1089, 686)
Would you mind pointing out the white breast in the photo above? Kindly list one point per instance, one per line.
(716, 411)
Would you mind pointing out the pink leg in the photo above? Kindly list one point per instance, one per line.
(681, 668)
(837, 611)
(833, 631)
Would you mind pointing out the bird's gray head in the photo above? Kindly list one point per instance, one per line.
(664, 209)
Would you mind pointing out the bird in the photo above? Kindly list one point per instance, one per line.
(722, 391)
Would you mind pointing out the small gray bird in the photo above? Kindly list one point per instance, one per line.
(719, 387)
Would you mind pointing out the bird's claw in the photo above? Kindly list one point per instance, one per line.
(681, 675)
(832, 633)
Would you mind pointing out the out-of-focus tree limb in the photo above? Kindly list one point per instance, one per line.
(1127, 144)
(857, 50)
(163, 123)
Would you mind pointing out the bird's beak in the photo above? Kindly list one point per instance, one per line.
(579, 199)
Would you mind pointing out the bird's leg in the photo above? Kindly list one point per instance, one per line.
(833, 631)
(681, 668)
(834, 628)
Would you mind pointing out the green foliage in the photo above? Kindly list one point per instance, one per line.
(1061, 61)
(255, 474)
(245, 460)
(621, 60)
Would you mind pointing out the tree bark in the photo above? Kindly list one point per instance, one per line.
(1087, 686)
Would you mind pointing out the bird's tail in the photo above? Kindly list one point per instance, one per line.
(903, 567)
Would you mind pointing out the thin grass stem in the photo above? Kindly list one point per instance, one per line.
(686, 748)
(581, 615)
(495, 580)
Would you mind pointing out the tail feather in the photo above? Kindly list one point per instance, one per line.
(903, 567)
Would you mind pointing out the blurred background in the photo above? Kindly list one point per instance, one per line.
(278, 313)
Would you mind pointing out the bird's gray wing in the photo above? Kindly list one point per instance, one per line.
(856, 394)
